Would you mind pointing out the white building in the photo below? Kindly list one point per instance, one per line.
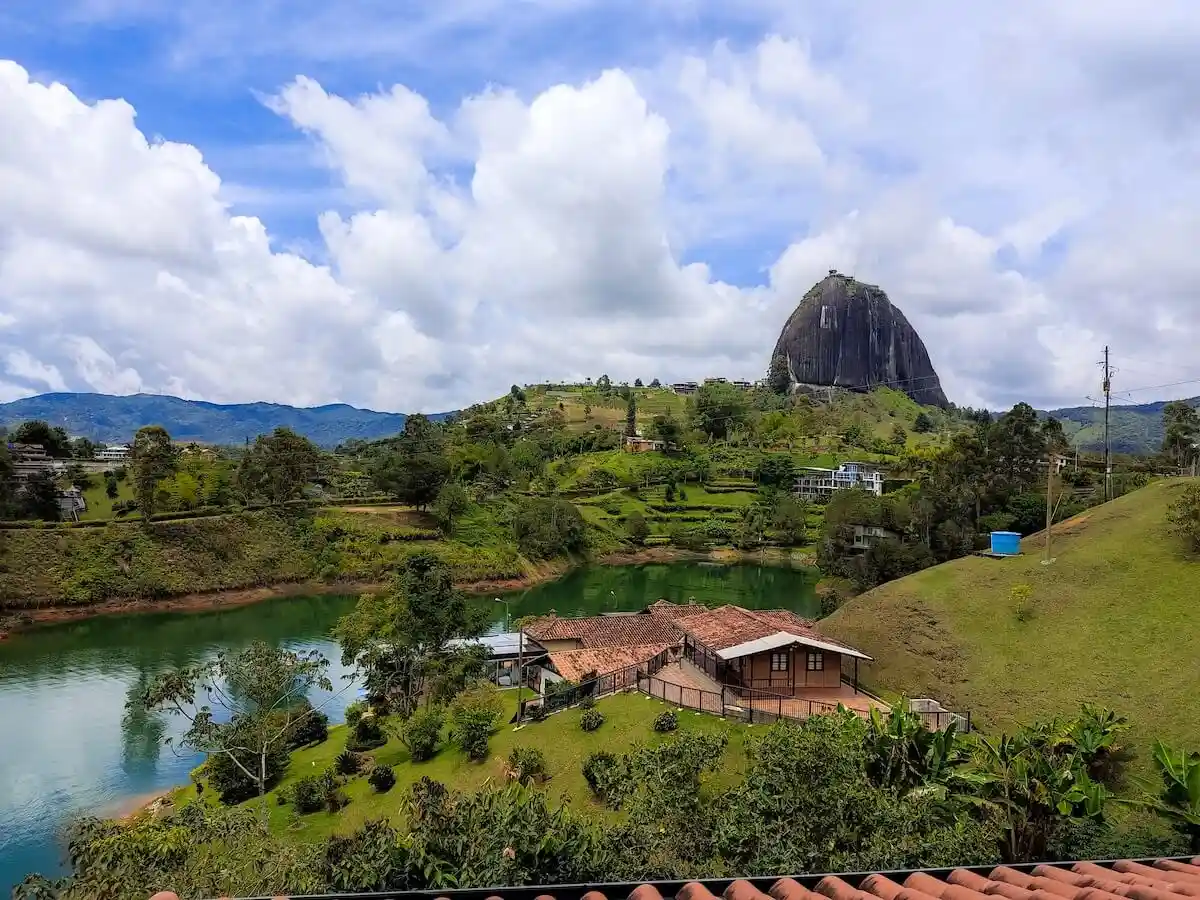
(685, 387)
(867, 535)
(816, 483)
(118, 453)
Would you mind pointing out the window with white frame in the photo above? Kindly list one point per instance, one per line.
(816, 661)
(779, 662)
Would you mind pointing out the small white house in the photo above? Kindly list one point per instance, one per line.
(817, 483)
(117, 453)
(866, 535)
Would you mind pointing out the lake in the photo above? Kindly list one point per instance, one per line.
(67, 745)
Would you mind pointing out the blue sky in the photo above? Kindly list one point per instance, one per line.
(410, 206)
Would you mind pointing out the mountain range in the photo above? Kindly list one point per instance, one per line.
(1131, 429)
(108, 419)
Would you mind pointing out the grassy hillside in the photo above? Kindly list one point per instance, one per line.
(629, 720)
(47, 566)
(1112, 620)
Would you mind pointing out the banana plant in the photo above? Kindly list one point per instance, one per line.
(1179, 799)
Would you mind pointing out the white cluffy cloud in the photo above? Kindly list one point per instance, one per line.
(1020, 200)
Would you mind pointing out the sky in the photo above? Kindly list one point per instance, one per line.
(411, 206)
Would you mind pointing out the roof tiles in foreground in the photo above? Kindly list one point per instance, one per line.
(1163, 879)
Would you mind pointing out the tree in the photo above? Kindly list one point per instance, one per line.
(241, 707)
(776, 470)
(1184, 516)
(397, 638)
(83, 448)
(655, 383)
(899, 436)
(278, 466)
(451, 502)
(719, 408)
(779, 376)
(545, 528)
(667, 429)
(637, 382)
(53, 440)
(791, 520)
(417, 468)
(631, 416)
(153, 460)
(923, 423)
(1181, 427)
(636, 528)
(38, 498)
(517, 394)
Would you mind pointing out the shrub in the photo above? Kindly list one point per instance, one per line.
(474, 714)
(382, 778)
(537, 712)
(667, 721)
(636, 528)
(310, 728)
(422, 732)
(591, 720)
(354, 712)
(587, 702)
(602, 771)
(526, 765)
(367, 735)
(308, 794)
(348, 763)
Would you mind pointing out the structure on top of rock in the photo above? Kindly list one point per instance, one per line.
(848, 334)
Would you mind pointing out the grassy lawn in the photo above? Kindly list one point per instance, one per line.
(99, 505)
(1113, 620)
(629, 719)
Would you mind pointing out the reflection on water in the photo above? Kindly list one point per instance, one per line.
(68, 745)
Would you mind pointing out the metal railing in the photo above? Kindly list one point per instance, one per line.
(601, 686)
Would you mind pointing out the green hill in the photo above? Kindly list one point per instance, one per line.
(1112, 620)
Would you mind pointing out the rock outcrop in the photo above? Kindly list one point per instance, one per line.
(848, 334)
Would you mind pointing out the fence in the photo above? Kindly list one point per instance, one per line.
(610, 683)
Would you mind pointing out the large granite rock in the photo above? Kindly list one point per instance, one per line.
(848, 334)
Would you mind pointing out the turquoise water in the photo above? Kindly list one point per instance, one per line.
(67, 746)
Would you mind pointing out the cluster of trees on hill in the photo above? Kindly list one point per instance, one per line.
(992, 476)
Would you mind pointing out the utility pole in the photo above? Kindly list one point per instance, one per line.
(1049, 501)
(1107, 454)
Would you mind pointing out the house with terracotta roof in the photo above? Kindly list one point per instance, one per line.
(767, 653)
(580, 649)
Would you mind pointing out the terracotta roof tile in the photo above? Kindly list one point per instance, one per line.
(605, 631)
(575, 665)
(1163, 880)
(728, 626)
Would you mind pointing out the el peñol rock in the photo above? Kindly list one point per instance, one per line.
(848, 334)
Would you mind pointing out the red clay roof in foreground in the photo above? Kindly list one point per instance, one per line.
(728, 626)
(1164, 880)
(594, 632)
(573, 665)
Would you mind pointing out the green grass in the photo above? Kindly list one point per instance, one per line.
(1113, 620)
(99, 504)
(628, 720)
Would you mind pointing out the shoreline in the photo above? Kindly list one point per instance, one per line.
(28, 619)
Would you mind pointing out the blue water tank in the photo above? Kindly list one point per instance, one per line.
(1006, 543)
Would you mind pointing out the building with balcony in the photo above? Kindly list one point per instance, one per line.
(815, 483)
